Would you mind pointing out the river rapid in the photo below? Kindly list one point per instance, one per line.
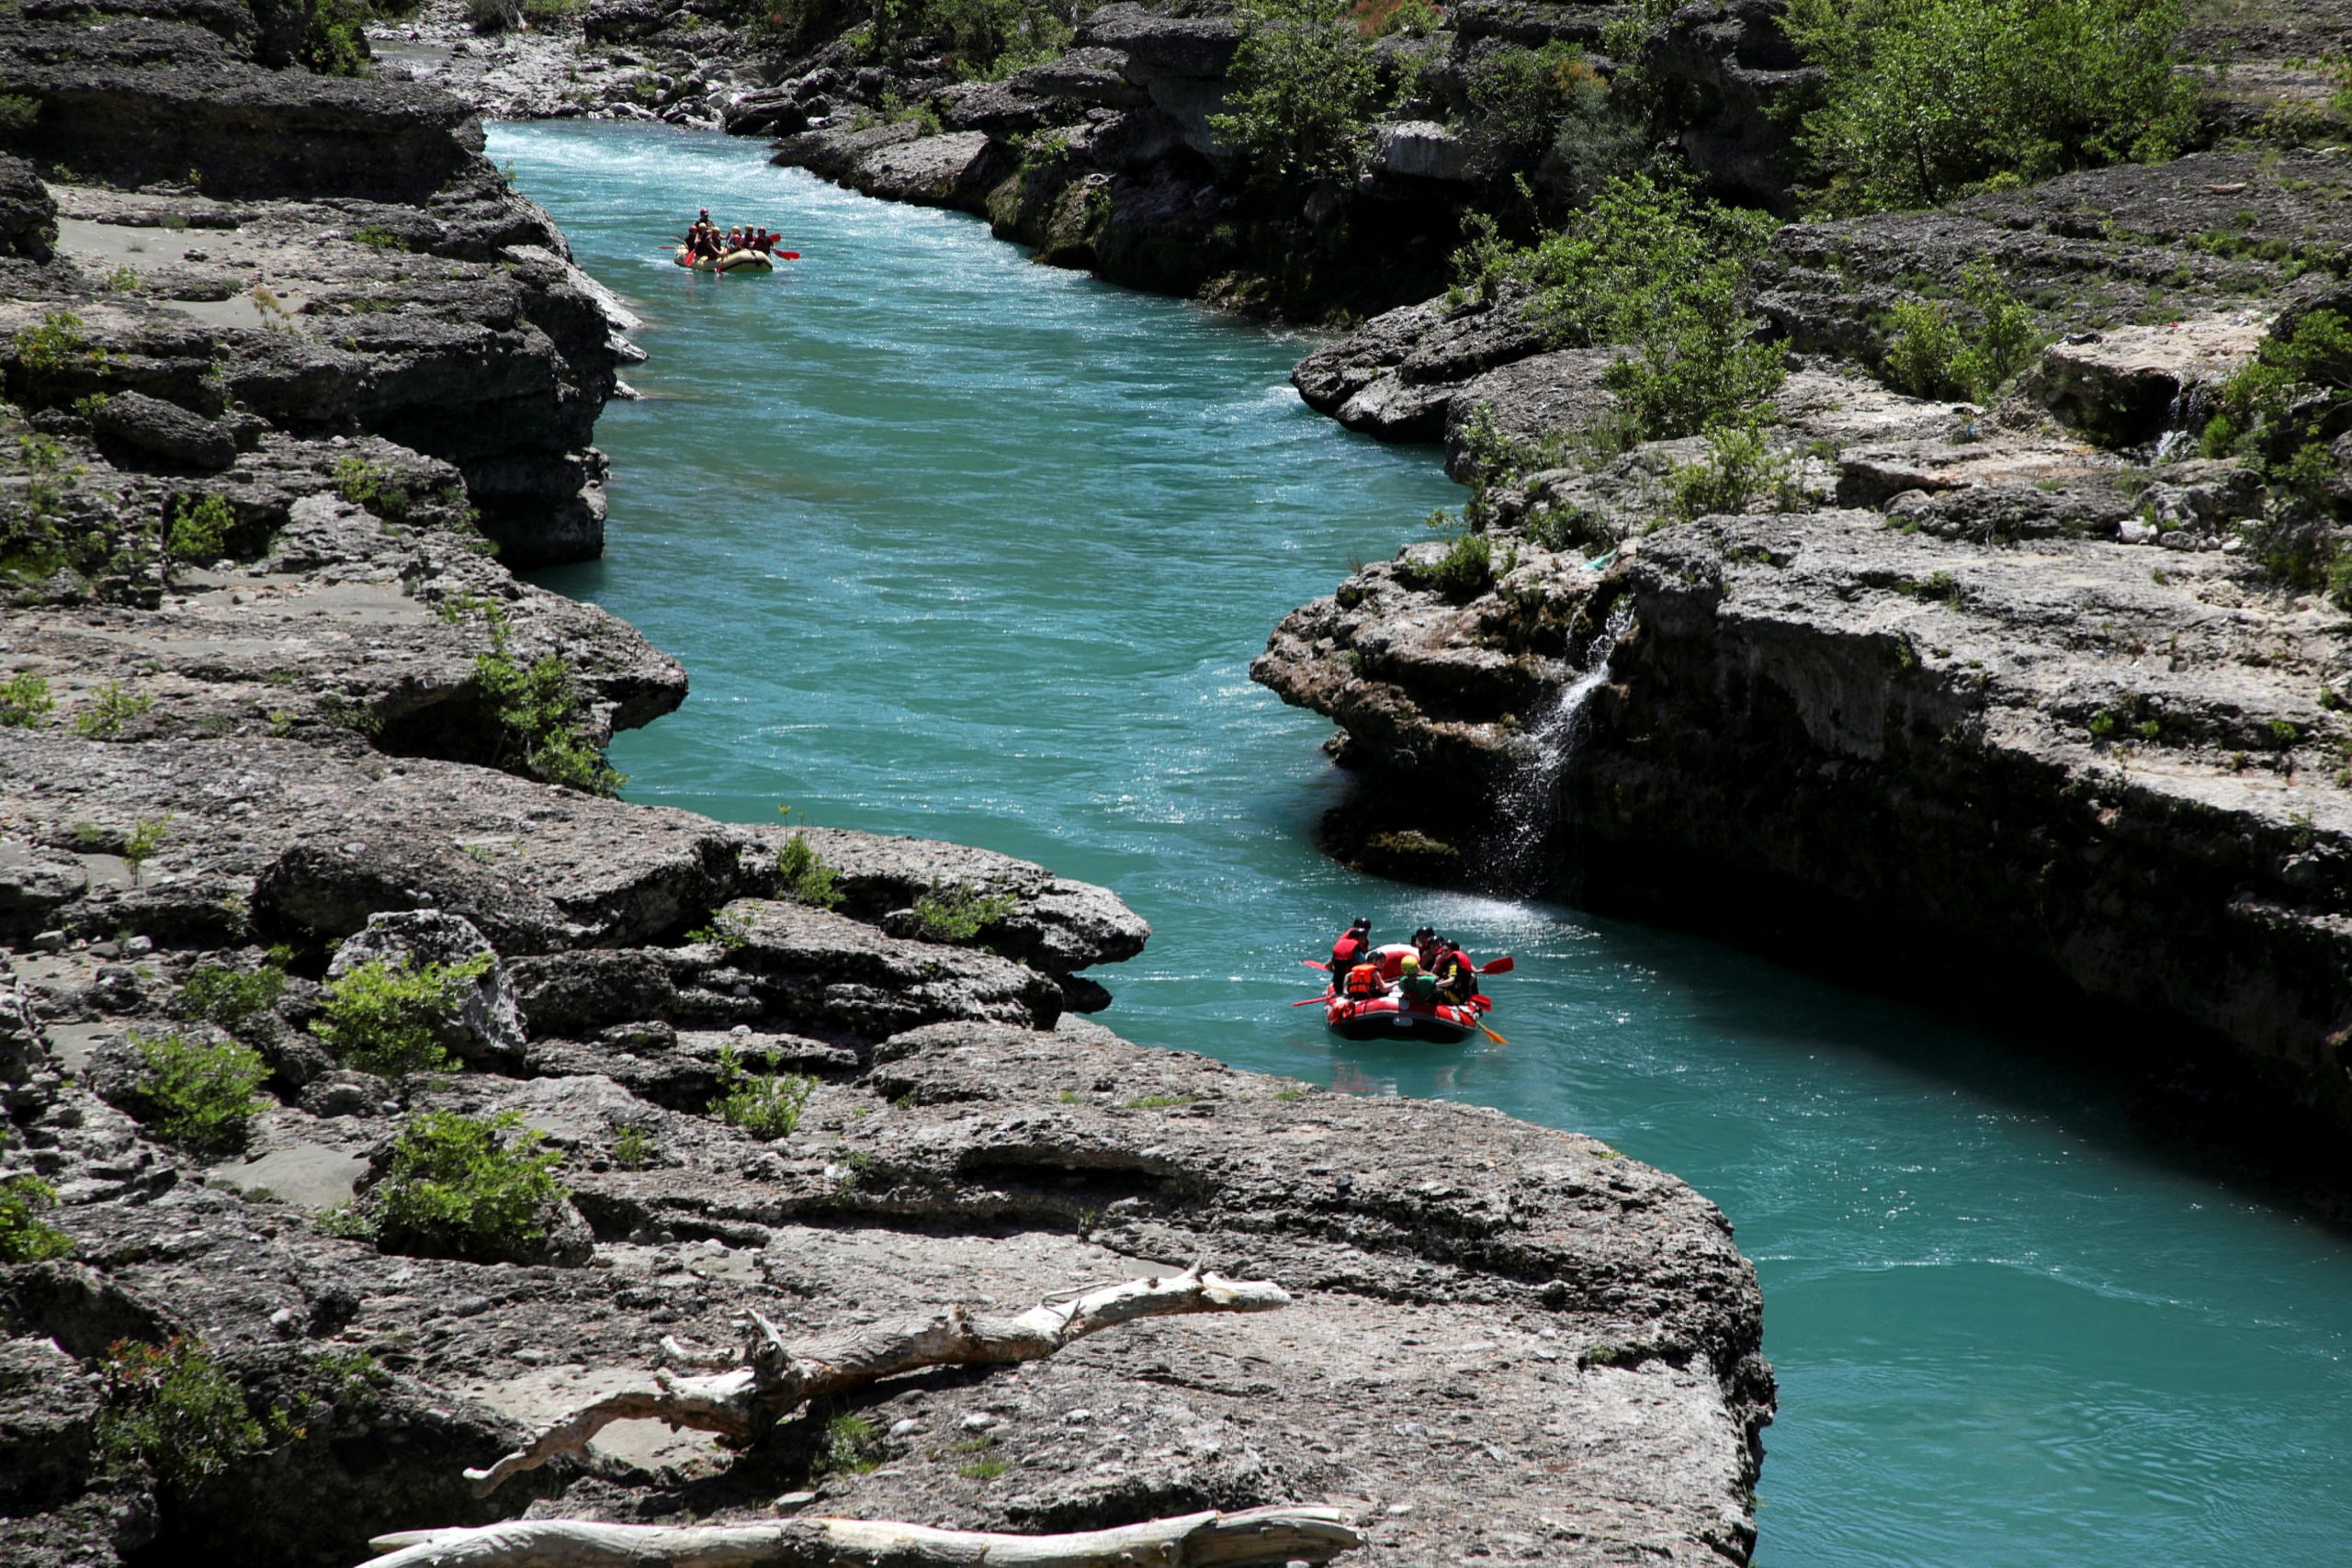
(957, 546)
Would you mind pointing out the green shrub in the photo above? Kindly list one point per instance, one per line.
(388, 1015)
(202, 1096)
(108, 712)
(959, 913)
(25, 702)
(200, 529)
(1301, 84)
(18, 113)
(25, 1237)
(1930, 356)
(334, 39)
(634, 1149)
(377, 238)
(232, 997)
(1521, 98)
(1653, 266)
(146, 836)
(1924, 99)
(766, 1105)
(372, 486)
(47, 353)
(1740, 465)
(1463, 571)
(803, 876)
(850, 1446)
(173, 1410)
(472, 1187)
(536, 711)
(995, 36)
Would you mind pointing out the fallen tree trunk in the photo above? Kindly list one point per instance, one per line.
(1275, 1535)
(777, 1378)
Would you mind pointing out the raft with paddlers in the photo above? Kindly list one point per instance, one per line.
(1376, 993)
(733, 260)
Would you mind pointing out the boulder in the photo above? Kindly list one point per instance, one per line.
(166, 430)
(27, 212)
(1421, 150)
(488, 1026)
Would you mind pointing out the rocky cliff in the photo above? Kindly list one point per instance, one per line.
(2029, 684)
(305, 875)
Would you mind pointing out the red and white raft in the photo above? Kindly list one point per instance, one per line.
(1394, 1018)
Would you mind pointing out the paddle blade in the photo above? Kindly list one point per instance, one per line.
(787, 255)
(1310, 1001)
(1316, 963)
(1492, 1035)
(1502, 966)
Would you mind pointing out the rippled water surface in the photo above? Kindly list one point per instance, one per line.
(958, 546)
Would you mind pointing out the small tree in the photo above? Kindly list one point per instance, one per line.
(1301, 85)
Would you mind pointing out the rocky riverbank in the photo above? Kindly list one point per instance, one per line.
(318, 939)
(2045, 683)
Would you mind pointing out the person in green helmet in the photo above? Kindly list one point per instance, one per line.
(1413, 986)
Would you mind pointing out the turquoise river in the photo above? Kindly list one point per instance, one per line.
(958, 546)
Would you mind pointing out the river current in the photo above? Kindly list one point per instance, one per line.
(958, 546)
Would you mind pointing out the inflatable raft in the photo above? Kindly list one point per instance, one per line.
(733, 260)
(1393, 1017)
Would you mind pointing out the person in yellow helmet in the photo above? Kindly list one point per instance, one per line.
(1412, 985)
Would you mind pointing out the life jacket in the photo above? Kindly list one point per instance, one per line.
(1455, 973)
(1347, 951)
(1364, 981)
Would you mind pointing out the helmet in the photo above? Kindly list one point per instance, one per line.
(1425, 933)
(1408, 963)
(1362, 923)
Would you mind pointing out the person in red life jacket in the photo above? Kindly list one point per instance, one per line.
(1457, 978)
(1353, 943)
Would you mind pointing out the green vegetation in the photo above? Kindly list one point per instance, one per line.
(372, 486)
(18, 113)
(729, 930)
(1302, 83)
(198, 1095)
(2277, 414)
(1523, 99)
(850, 1446)
(1739, 467)
(388, 1015)
(471, 1187)
(1655, 266)
(334, 39)
(1930, 356)
(146, 836)
(200, 529)
(1924, 99)
(232, 999)
(1466, 569)
(634, 1149)
(1157, 1102)
(959, 913)
(25, 702)
(108, 712)
(803, 876)
(377, 238)
(172, 1409)
(537, 712)
(994, 38)
(49, 354)
(766, 1105)
(121, 280)
(25, 1237)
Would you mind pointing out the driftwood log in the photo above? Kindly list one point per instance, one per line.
(773, 1379)
(1277, 1535)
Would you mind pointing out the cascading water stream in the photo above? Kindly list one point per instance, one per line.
(1529, 803)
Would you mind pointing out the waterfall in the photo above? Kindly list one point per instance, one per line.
(1527, 806)
(2184, 422)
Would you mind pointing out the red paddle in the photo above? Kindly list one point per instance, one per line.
(1316, 963)
(1502, 966)
(1310, 1001)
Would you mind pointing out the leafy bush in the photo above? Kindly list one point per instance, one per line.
(536, 711)
(334, 39)
(25, 701)
(766, 1105)
(1740, 465)
(803, 876)
(1465, 569)
(1653, 266)
(388, 1015)
(200, 528)
(634, 1149)
(851, 1445)
(202, 1096)
(958, 913)
(372, 486)
(994, 37)
(1930, 356)
(25, 1237)
(108, 712)
(232, 997)
(47, 353)
(19, 112)
(1521, 98)
(1924, 99)
(1302, 83)
(173, 1409)
(146, 836)
(472, 1187)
